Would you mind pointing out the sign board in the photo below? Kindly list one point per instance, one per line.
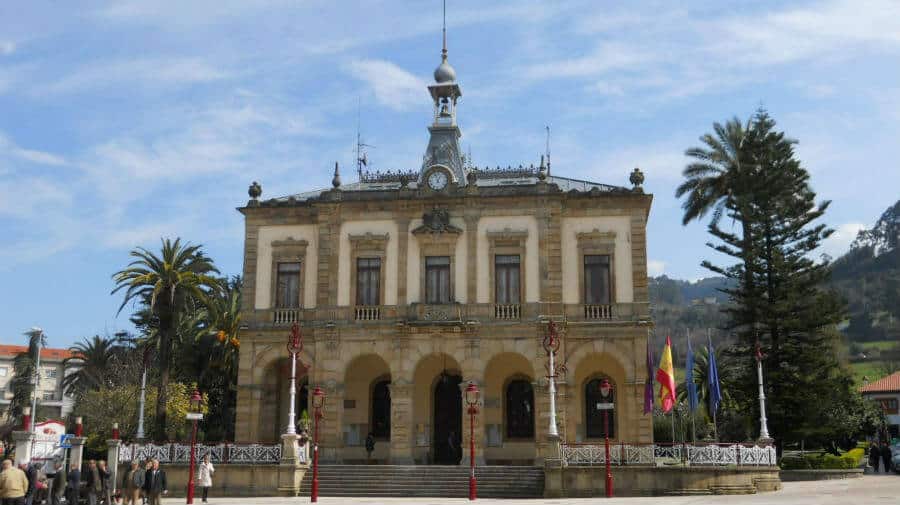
(605, 406)
(65, 441)
(47, 437)
(194, 416)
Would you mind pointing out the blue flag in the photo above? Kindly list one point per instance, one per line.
(691, 388)
(715, 392)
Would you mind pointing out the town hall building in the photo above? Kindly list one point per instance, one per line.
(409, 285)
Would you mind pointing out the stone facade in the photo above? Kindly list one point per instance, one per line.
(452, 210)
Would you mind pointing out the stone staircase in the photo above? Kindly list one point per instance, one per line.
(426, 481)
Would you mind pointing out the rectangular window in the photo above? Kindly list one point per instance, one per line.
(437, 279)
(368, 281)
(49, 373)
(506, 279)
(3, 371)
(889, 405)
(596, 279)
(49, 395)
(287, 294)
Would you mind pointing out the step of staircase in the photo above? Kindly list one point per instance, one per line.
(426, 481)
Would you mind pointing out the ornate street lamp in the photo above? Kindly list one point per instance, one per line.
(763, 426)
(472, 395)
(605, 393)
(318, 403)
(194, 414)
(294, 346)
(551, 345)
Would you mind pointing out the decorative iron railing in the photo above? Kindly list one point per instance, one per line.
(248, 454)
(669, 454)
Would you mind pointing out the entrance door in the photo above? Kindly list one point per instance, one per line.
(447, 421)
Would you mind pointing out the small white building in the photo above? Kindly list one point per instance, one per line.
(886, 391)
(52, 401)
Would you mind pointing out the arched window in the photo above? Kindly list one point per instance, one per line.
(593, 409)
(381, 409)
(519, 409)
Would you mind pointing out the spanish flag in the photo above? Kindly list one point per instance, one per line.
(665, 376)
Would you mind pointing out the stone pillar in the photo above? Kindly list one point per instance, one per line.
(23, 441)
(402, 261)
(76, 452)
(472, 258)
(290, 469)
(402, 427)
(112, 461)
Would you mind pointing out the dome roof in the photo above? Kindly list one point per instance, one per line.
(444, 73)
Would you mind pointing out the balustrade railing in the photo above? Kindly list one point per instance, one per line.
(598, 312)
(367, 312)
(237, 453)
(507, 311)
(285, 316)
(669, 454)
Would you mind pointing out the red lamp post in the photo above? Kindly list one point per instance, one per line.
(318, 401)
(605, 391)
(472, 395)
(195, 414)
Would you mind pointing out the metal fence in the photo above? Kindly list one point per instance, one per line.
(236, 453)
(669, 454)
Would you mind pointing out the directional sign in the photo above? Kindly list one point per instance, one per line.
(194, 416)
(64, 441)
(605, 406)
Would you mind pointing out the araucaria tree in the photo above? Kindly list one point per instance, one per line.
(169, 285)
(751, 176)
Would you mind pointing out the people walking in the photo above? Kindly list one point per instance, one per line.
(158, 484)
(13, 484)
(73, 486)
(370, 446)
(204, 475)
(93, 483)
(105, 484)
(133, 483)
(874, 456)
(148, 479)
(57, 484)
(886, 456)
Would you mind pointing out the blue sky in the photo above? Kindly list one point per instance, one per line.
(123, 122)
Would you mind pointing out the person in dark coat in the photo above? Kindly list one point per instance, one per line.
(158, 484)
(58, 484)
(73, 486)
(31, 472)
(370, 446)
(148, 478)
(886, 456)
(874, 456)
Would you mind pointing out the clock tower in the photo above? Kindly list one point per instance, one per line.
(442, 162)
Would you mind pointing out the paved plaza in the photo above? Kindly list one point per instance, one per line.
(869, 490)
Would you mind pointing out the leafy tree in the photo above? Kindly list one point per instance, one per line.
(96, 359)
(167, 285)
(777, 294)
(22, 381)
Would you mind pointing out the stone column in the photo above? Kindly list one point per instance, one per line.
(23, 441)
(402, 427)
(472, 258)
(402, 262)
(290, 469)
(112, 461)
(76, 452)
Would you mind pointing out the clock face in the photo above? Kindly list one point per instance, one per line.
(437, 180)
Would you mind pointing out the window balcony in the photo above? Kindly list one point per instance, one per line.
(595, 311)
(367, 312)
(507, 311)
(286, 316)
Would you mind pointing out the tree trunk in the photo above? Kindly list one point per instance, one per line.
(162, 389)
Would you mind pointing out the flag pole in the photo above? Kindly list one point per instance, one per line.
(708, 358)
(691, 402)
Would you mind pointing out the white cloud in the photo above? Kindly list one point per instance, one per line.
(7, 47)
(655, 268)
(839, 241)
(138, 73)
(9, 149)
(393, 87)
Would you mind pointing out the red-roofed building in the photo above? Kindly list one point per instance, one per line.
(886, 391)
(53, 403)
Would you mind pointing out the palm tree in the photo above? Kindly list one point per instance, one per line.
(701, 379)
(713, 177)
(95, 358)
(21, 382)
(166, 284)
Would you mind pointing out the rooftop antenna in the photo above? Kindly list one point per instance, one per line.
(362, 159)
(548, 149)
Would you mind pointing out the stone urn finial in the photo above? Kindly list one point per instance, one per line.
(336, 180)
(255, 191)
(637, 179)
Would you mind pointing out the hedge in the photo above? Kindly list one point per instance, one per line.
(823, 461)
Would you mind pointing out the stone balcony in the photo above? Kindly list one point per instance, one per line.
(452, 313)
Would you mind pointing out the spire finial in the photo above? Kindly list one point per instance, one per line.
(336, 180)
(444, 30)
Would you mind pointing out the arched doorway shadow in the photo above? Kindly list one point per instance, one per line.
(275, 400)
(447, 415)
